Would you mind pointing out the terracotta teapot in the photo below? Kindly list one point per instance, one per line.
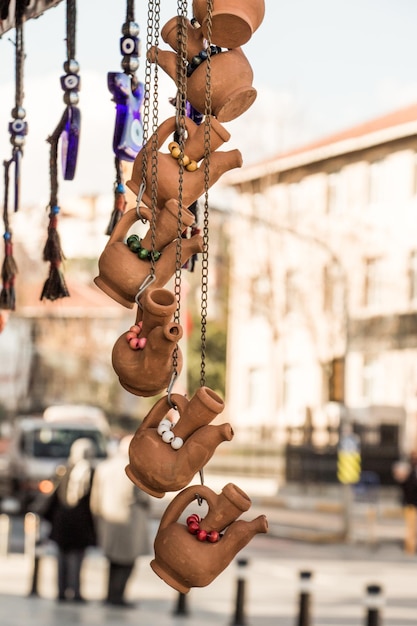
(233, 21)
(231, 75)
(148, 371)
(165, 457)
(122, 273)
(188, 557)
(168, 169)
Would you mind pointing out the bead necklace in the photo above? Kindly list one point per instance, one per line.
(199, 58)
(134, 244)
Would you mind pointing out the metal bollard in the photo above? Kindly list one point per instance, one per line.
(304, 617)
(4, 534)
(32, 535)
(181, 606)
(239, 615)
(374, 601)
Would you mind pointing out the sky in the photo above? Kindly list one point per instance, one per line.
(319, 66)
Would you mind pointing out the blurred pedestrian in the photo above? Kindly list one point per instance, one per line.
(406, 476)
(121, 513)
(72, 525)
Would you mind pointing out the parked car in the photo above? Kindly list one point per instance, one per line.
(39, 445)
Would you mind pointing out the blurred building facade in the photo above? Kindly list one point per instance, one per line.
(323, 287)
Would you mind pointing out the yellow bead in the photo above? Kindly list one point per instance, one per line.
(192, 166)
(172, 145)
(186, 160)
(175, 152)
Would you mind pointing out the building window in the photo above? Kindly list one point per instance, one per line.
(336, 193)
(373, 282)
(413, 275)
(372, 384)
(291, 291)
(376, 181)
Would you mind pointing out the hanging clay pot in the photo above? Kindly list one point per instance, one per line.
(233, 21)
(164, 458)
(193, 185)
(148, 371)
(122, 272)
(231, 75)
(184, 560)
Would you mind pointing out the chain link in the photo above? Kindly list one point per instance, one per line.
(207, 150)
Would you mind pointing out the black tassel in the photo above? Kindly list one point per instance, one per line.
(55, 286)
(8, 275)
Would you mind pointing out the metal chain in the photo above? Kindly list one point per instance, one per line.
(151, 87)
(207, 147)
(180, 136)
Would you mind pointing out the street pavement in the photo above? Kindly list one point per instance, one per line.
(305, 534)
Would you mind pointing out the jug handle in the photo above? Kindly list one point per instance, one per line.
(161, 408)
(183, 499)
(168, 126)
(126, 221)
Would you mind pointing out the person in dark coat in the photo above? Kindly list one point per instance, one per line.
(72, 526)
(406, 476)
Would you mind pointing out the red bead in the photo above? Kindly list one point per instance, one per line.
(202, 535)
(136, 328)
(193, 518)
(193, 528)
(141, 342)
(213, 536)
(131, 335)
(134, 343)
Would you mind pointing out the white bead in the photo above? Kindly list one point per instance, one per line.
(168, 436)
(163, 426)
(177, 443)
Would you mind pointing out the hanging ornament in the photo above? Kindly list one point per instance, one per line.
(68, 131)
(128, 94)
(18, 129)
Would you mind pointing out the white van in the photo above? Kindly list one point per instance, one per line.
(40, 444)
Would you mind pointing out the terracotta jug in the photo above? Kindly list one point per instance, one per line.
(122, 273)
(148, 371)
(233, 21)
(231, 75)
(166, 458)
(168, 169)
(181, 559)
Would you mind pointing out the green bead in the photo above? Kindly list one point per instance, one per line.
(143, 253)
(155, 255)
(131, 239)
(135, 246)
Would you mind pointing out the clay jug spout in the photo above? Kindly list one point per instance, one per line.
(241, 532)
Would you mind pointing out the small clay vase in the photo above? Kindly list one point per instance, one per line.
(193, 184)
(233, 21)
(154, 449)
(148, 371)
(181, 559)
(231, 75)
(122, 273)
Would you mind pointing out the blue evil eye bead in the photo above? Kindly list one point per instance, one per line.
(18, 127)
(55, 210)
(120, 188)
(70, 82)
(130, 28)
(129, 45)
(7, 236)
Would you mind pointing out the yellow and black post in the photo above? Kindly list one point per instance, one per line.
(348, 473)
